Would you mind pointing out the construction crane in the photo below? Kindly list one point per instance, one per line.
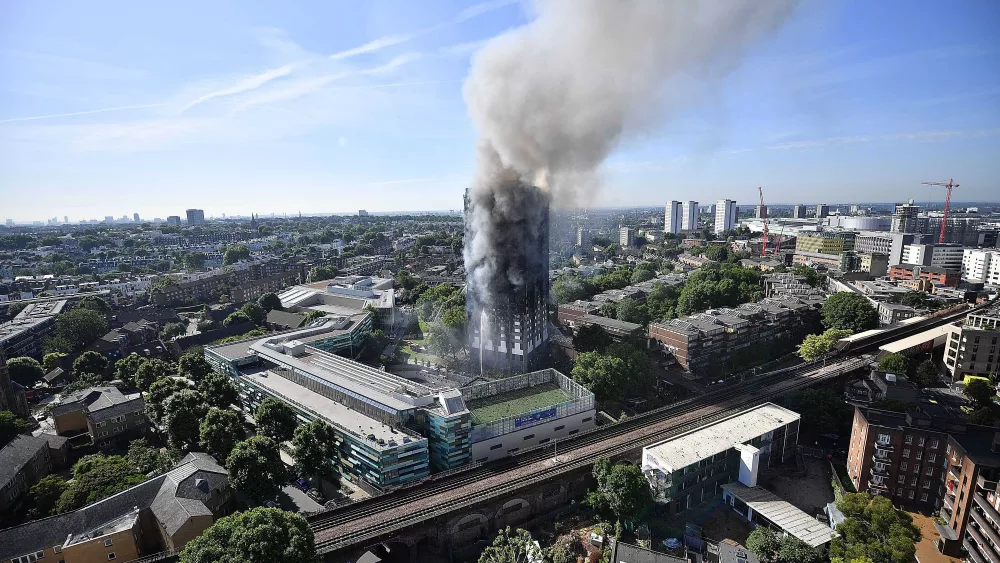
(763, 212)
(947, 202)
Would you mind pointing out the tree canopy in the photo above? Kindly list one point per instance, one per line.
(158, 394)
(719, 285)
(894, 363)
(10, 426)
(765, 544)
(183, 412)
(95, 303)
(622, 489)
(275, 419)
(193, 366)
(822, 411)
(510, 547)
(257, 535)
(849, 311)
(96, 477)
(25, 370)
(236, 317)
(255, 467)
(980, 392)
(814, 346)
(591, 338)
(90, 362)
(235, 253)
(76, 329)
(149, 372)
(220, 431)
(218, 390)
(927, 374)
(873, 530)
(269, 302)
(315, 447)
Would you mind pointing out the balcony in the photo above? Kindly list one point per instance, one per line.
(984, 548)
(973, 551)
(878, 485)
(987, 509)
(984, 483)
(985, 528)
(883, 458)
(875, 471)
(884, 447)
(948, 502)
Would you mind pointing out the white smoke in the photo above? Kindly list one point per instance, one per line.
(550, 100)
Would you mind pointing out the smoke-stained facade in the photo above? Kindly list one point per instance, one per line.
(509, 290)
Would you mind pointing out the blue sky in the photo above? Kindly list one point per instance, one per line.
(111, 108)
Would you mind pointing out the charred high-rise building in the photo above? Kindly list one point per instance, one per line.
(508, 285)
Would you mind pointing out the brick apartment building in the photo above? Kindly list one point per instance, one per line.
(898, 456)
(725, 337)
(105, 413)
(240, 284)
(926, 463)
(973, 345)
(934, 274)
(23, 462)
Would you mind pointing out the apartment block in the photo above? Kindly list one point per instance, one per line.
(825, 242)
(904, 218)
(23, 462)
(626, 237)
(981, 265)
(673, 217)
(933, 274)
(971, 471)
(822, 210)
(689, 216)
(947, 256)
(105, 413)
(583, 237)
(725, 215)
(719, 339)
(799, 212)
(23, 335)
(973, 345)
(890, 244)
(898, 456)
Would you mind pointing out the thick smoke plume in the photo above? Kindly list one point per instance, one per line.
(552, 99)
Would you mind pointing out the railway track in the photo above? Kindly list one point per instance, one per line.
(379, 519)
(447, 492)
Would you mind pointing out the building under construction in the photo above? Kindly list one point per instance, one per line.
(508, 315)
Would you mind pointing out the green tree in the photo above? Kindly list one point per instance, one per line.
(927, 373)
(980, 392)
(794, 550)
(95, 303)
(813, 277)
(219, 390)
(894, 405)
(849, 311)
(126, 368)
(257, 535)
(602, 374)
(10, 426)
(622, 489)
(172, 330)
(151, 371)
(591, 338)
(255, 468)
(96, 477)
(24, 370)
(255, 312)
(510, 547)
(717, 252)
(569, 288)
(194, 366)
(631, 311)
(276, 419)
(146, 459)
(236, 317)
(76, 329)
(220, 431)
(158, 394)
(90, 362)
(315, 447)
(814, 346)
(235, 253)
(764, 543)
(51, 361)
(894, 363)
(182, 415)
(269, 302)
(873, 530)
(194, 261)
(84, 381)
(821, 410)
(43, 496)
(642, 274)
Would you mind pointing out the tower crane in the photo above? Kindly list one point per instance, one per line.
(763, 209)
(947, 202)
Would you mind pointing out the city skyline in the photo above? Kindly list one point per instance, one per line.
(330, 104)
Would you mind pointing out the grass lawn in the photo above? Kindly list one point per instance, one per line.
(422, 357)
(485, 411)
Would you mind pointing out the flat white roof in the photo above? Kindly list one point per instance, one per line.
(917, 339)
(782, 513)
(717, 437)
(347, 419)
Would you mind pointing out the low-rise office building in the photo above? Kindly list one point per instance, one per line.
(933, 274)
(891, 313)
(344, 296)
(105, 413)
(690, 470)
(157, 516)
(392, 430)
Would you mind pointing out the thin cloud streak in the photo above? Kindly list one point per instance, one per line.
(76, 113)
(372, 46)
(246, 85)
(918, 136)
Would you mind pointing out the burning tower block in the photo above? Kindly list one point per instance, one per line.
(507, 276)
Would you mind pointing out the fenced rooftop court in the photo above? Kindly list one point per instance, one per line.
(520, 401)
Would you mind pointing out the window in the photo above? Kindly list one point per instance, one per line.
(108, 542)
(931, 458)
(922, 440)
(903, 466)
(588, 419)
(923, 497)
(883, 438)
(111, 556)
(908, 439)
(901, 479)
(920, 454)
(899, 491)
(910, 495)
(101, 424)
(906, 452)
(529, 436)
(29, 558)
(496, 446)
(57, 548)
(913, 482)
(560, 427)
(934, 444)
(574, 431)
(929, 470)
